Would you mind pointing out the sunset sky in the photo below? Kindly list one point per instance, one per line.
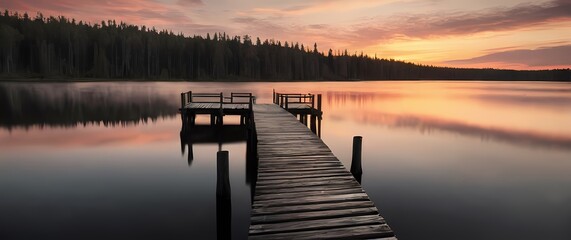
(518, 34)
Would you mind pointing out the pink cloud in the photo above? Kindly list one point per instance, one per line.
(139, 12)
(437, 24)
(190, 2)
(417, 26)
(537, 58)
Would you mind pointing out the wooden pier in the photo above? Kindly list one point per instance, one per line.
(302, 190)
(304, 106)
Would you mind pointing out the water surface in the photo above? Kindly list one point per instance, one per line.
(442, 160)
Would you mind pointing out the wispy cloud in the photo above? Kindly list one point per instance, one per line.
(541, 57)
(414, 26)
(189, 2)
(319, 6)
(140, 12)
(259, 26)
(439, 24)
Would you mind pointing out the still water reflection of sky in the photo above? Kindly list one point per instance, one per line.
(453, 160)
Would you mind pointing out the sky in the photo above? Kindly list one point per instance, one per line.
(513, 34)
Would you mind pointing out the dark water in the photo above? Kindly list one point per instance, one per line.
(442, 160)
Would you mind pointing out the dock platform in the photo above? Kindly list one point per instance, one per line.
(302, 190)
(215, 105)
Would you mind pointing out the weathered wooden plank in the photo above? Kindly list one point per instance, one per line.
(300, 174)
(290, 165)
(311, 200)
(264, 181)
(343, 185)
(310, 208)
(294, 217)
(301, 161)
(286, 184)
(304, 176)
(308, 193)
(256, 229)
(380, 232)
(295, 169)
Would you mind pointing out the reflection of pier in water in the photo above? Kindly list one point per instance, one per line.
(221, 134)
(199, 134)
(299, 188)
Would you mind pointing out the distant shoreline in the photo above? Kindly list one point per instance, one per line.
(78, 80)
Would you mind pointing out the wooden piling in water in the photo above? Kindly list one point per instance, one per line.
(223, 197)
(222, 178)
(356, 166)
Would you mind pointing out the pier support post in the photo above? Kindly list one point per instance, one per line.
(222, 180)
(192, 119)
(190, 156)
(319, 117)
(223, 197)
(220, 120)
(183, 119)
(313, 123)
(356, 166)
(182, 141)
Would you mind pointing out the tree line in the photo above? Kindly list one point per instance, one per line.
(53, 47)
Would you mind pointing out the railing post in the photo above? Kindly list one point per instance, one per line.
(286, 102)
(274, 95)
(221, 112)
(182, 101)
(312, 102)
(319, 103)
(189, 96)
(356, 166)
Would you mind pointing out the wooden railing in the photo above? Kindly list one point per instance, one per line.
(189, 97)
(285, 99)
(235, 98)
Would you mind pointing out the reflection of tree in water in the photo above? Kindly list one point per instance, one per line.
(66, 105)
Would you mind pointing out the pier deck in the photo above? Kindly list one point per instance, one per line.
(302, 190)
(215, 105)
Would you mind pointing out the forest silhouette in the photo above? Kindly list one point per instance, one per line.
(58, 47)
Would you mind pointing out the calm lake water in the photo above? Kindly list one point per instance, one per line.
(441, 160)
